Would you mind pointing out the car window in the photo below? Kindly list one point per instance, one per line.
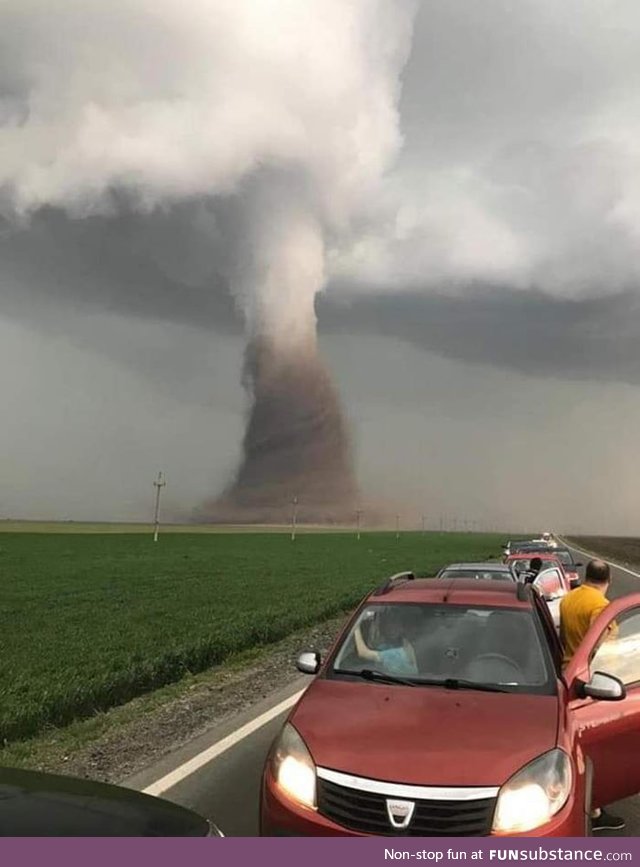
(500, 647)
(478, 574)
(523, 564)
(564, 557)
(549, 582)
(619, 653)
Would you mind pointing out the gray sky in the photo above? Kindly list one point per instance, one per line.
(480, 313)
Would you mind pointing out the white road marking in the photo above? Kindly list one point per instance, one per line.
(591, 554)
(185, 770)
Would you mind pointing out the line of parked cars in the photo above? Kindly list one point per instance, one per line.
(443, 710)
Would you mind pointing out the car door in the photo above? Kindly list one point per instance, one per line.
(549, 585)
(609, 731)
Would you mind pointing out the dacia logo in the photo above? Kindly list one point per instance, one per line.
(400, 813)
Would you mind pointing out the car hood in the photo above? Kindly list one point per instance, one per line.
(424, 735)
(34, 804)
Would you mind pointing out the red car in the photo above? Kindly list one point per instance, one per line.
(520, 563)
(442, 710)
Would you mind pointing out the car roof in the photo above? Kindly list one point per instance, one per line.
(489, 565)
(457, 591)
(541, 555)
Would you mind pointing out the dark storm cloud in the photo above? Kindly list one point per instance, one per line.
(519, 169)
(164, 267)
(529, 332)
(152, 266)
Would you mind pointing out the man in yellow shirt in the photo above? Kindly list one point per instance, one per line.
(578, 610)
(580, 607)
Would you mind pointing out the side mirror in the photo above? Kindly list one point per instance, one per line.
(309, 662)
(574, 582)
(605, 687)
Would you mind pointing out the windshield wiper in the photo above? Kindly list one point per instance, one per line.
(457, 683)
(447, 683)
(373, 674)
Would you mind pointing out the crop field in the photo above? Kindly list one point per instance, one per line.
(89, 621)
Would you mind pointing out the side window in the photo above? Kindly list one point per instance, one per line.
(549, 582)
(619, 652)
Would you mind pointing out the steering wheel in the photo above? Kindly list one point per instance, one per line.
(498, 657)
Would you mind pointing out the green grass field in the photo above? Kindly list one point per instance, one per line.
(89, 621)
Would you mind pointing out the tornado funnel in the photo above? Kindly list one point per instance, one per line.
(296, 444)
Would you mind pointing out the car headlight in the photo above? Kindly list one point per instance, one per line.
(533, 795)
(293, 768)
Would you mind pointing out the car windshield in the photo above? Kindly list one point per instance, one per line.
(530, 548)
(448, 644)
(478, 574)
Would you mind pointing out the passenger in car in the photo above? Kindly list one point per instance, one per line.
(531, 574)
(398, 657)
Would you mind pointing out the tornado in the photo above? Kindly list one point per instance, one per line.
(274, 125)
(296, 450)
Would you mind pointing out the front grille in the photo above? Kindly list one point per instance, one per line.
(367, 812)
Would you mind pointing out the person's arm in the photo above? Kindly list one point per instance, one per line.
(364, 652)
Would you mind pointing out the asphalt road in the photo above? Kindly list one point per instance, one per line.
(226, 788)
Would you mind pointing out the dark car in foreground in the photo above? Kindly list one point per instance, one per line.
(34, 804)
(489, 571)
(477, 731)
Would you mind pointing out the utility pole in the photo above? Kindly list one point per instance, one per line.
(294, 516)
(358, 513)
(158, 484)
